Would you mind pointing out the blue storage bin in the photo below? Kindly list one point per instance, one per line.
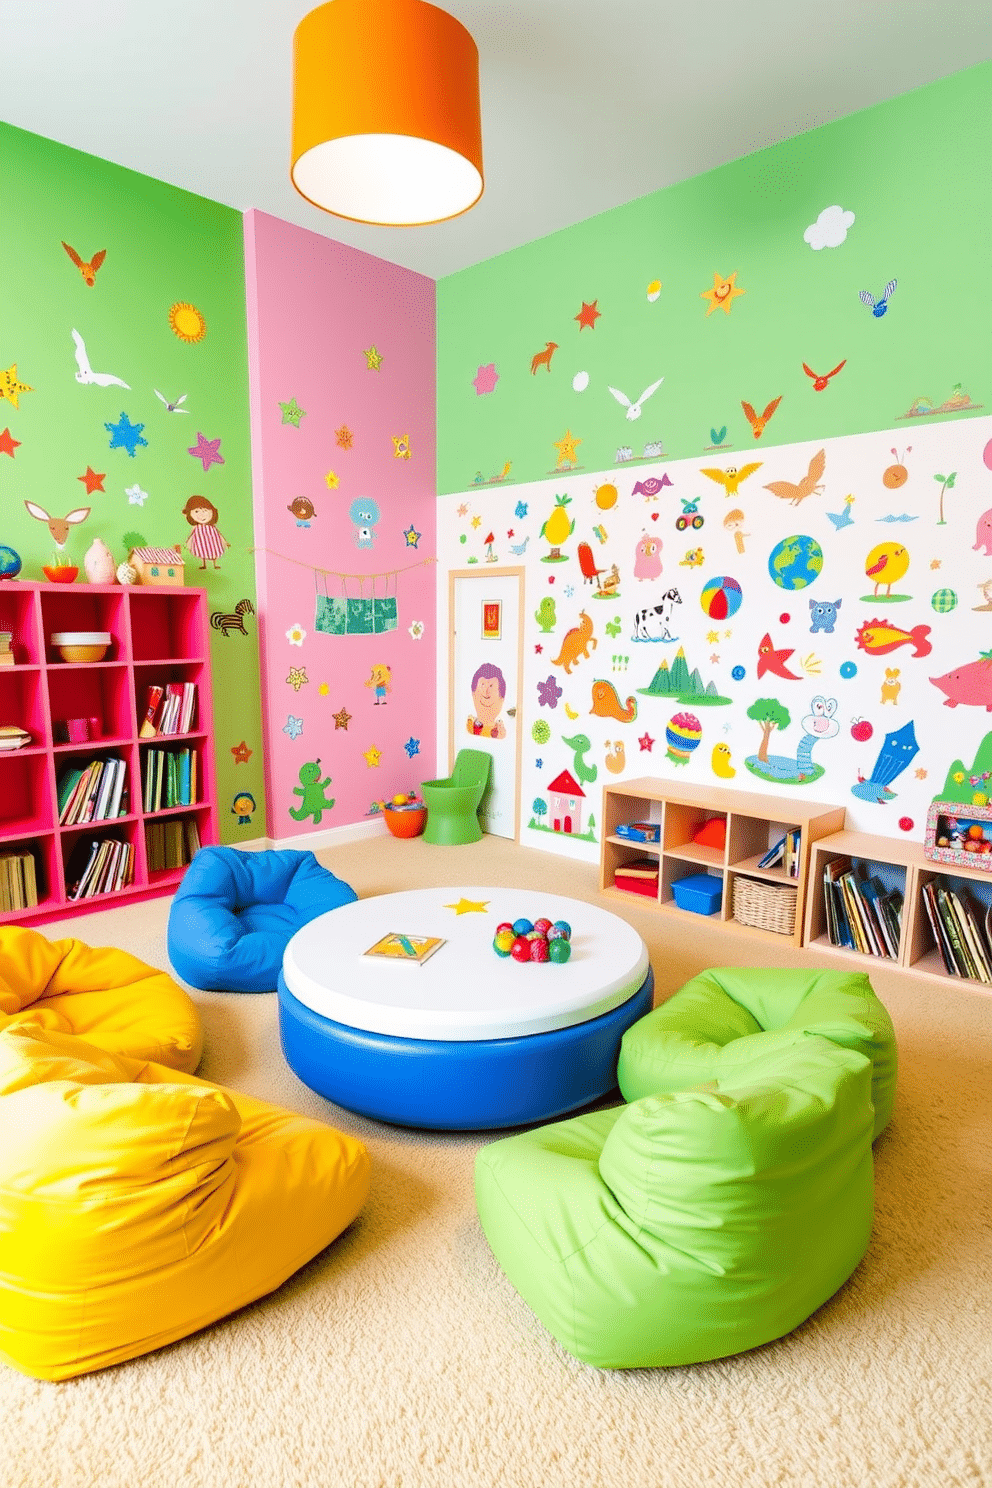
(700, 892)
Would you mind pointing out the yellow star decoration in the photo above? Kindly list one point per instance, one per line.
(10, 388)
(323, 689)
(297, 677)
(722, 294)
(712, 636)
(476, 521)
(373, 359)
(331, 481)
(566, 447)
(469, 906)
(401, 446)
(373, 757)
(727, 634)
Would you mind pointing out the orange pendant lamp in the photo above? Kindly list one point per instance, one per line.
(386, 125)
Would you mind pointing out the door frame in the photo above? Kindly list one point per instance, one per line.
(489, 573)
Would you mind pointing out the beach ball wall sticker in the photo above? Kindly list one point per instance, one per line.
(721, 597)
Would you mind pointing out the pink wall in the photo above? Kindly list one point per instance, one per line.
(314, 308)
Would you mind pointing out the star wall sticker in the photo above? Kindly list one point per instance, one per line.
(921, 774)
(476, 521)
(485, 379)
(401, 446)
(341, 719)
(463, 509)
(712, 636)
(469, 906)
(8, 444)
(373, 359)
(412, 747)
(331, 481)
(588, 315)
(135, 495)
(646, 742)
(372, 757)
(934, 562)
(10, 388)
(323, 689)
(293, 727)
(125, 435)
(343, 437)
(520, 510)
(207, 450)
(538, 649)
(92, 480)
(292, 413)
(412, 536)
(242, 754)
(297, 678)
(723, 293)
(566, 447)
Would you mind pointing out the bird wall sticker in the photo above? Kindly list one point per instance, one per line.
(878, 307)
(732, 477)
(634, 409)
(758, 421)
(809, 484)
(86, 376)
(820, 379)
(88, 269)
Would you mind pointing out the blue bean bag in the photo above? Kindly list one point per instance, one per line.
(235, 912)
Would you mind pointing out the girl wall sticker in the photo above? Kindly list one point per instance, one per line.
(488, 696)
(205, 541)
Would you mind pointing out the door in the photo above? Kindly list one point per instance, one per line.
(484, 685)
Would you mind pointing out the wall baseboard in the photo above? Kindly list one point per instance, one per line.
(374, 826)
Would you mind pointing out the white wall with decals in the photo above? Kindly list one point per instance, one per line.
(771, 618)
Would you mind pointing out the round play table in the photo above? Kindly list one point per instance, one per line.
(464, 1039)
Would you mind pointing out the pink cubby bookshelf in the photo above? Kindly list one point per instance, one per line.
(159, 635)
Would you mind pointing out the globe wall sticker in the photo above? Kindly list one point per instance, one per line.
(795, 562)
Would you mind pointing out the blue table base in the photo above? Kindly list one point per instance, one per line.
(449, 1085)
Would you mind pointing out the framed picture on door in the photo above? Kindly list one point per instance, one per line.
(492, 620)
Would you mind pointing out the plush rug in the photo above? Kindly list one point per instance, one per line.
(402, 1358)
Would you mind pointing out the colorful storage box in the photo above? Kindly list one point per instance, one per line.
(700, 892)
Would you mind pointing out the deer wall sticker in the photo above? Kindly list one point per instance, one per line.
(59, 526)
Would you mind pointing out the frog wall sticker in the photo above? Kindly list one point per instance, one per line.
(311, 788)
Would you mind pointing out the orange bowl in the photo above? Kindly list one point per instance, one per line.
(64, 574)
(405, 823)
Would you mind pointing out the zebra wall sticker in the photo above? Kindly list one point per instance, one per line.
(225, 621)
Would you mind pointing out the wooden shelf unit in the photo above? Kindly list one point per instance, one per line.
(158, 635)
(753, 824)
(905, 862)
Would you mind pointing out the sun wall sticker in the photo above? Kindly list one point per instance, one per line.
(187, 322)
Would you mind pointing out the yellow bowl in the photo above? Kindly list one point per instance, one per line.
(83, 653)
(81, 645)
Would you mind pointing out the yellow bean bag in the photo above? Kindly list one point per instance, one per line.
(137, 1206)
(105, 995)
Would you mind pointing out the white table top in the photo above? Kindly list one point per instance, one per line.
(464, 992)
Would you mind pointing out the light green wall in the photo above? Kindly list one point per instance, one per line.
(913, 171)
(163, 246)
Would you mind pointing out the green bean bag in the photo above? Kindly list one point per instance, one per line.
(694, 1224)
(720, 1022)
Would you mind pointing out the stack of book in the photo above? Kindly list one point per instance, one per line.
(962, 928)
(100, 866)
(861, 915)
(6, 651)
(93, 793)
(170, 778)
(18, 882)
(639, 876)
(171, 844)
(169, 709)
(784, 854)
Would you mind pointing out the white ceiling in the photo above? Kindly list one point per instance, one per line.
(585, 103)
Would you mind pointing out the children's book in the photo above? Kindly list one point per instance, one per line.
(396, 947)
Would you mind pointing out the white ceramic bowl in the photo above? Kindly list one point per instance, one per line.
(81, 645)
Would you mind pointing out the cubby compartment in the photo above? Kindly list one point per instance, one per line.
(165, 624)
(27, 871)
(96, 692)
(154, 675)
(19, 618)
(81, 847)
(176, 788)
(22, 701)
(859, 896)
(171, 843)
(25, 794)
(113, 794)
(966, 928)
(87, 607)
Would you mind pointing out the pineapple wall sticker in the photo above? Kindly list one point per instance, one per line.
(557, 529)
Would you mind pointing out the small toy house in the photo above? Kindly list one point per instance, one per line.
(565, 797)
(158, 565)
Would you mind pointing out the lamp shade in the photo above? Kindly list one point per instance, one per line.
(386, 125)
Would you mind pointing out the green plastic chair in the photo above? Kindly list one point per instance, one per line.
(453, 804)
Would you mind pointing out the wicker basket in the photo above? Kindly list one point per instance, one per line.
(765, 906)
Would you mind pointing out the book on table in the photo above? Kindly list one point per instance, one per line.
(399, 947)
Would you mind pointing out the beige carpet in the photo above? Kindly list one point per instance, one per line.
(402, 1357)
